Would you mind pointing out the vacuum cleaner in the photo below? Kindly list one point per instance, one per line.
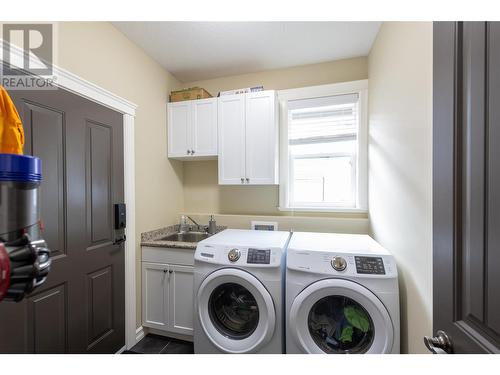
(24, 256)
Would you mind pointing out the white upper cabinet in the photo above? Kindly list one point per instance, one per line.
(204, 127)
(192, 129)
(231, 139)
(261, 138)
(248, 139)
(179, 120)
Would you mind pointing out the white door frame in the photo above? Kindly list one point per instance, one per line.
(88, 90)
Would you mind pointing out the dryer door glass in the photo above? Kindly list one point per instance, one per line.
(338, 324)
(233, 310)
(340, 316)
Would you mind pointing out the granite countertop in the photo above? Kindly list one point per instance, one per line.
(152, 238)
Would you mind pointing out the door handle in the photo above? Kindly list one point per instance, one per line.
(439, 344)
(120, 240)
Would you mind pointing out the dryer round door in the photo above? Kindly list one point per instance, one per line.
(336, 316)
(236, 311)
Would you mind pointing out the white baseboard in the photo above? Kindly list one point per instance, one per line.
(139, 334)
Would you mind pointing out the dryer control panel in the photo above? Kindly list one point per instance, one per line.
(337, 263)
(369, 265)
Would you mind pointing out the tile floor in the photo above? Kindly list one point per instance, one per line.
(155, 344)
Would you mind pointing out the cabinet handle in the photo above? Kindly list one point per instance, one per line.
(170, 271)
(165, 271)
(188, 152)
(248, 180)
(242, 180)
(192, 152)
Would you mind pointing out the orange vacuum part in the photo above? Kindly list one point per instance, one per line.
(11, 127)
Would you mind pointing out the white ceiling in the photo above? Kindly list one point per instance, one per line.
(194, 51)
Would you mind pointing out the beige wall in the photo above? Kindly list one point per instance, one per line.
(400, 166)
(201, 191)
(101, 54)
(298, 76)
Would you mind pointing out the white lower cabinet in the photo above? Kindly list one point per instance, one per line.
(181, 299)
(155, 290)
(167, 294)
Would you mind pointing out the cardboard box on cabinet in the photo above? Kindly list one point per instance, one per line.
(192, 93)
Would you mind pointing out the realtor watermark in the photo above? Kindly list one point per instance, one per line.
(27, 59)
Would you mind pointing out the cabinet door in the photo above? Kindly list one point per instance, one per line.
(179, 132)
(155, 294)
(204, 127)
(261, 138)
(181, 301)
(231, 119)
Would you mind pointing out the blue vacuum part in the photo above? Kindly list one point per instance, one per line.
(20, 168)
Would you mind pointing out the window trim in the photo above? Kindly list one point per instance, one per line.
(354, 87)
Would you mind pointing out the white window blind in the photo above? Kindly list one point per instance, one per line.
(323, 119)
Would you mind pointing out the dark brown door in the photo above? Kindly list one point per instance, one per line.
(467, 186)
(80, 309)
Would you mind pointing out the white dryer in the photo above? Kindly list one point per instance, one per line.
(341, 295)
(239, 293)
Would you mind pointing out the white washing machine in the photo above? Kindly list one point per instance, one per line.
(341, 295)
(239, 293)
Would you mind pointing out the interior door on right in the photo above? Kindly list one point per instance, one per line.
(466, 179)
(261, 138)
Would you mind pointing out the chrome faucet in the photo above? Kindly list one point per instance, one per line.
(192, 220)
(211, 228)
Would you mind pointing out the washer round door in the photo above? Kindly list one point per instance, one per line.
(336, 316)
(236, 311)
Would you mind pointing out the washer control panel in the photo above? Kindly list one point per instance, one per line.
(259, 256)
(369, 265)
(251, 256)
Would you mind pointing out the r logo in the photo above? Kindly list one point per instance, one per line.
(36, 42)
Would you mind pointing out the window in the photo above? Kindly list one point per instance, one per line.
(323, 156)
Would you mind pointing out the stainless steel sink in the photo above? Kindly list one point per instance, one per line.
(185, 237)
